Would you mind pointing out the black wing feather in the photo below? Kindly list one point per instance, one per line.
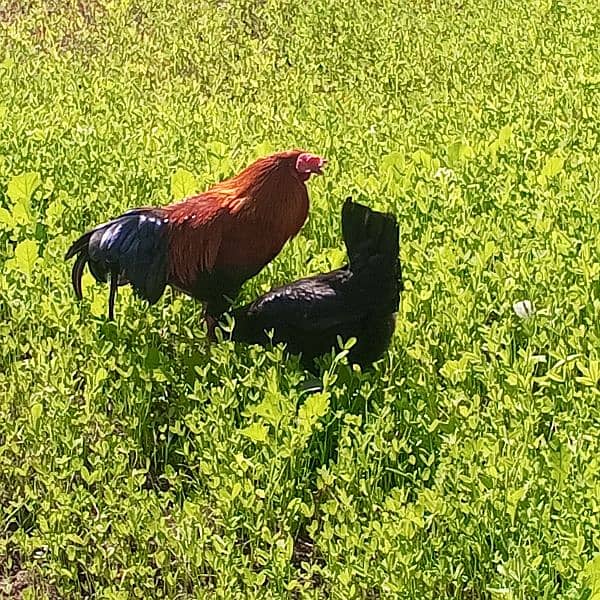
(311, 303)
(133, 248)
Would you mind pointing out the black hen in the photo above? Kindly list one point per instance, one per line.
(358, 300)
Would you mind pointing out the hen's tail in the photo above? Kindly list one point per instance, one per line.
(129, 249)
(373, 244)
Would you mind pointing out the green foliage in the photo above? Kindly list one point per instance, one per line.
(137, 461)
(26, 256)
(183, 184)
(591, 576)
(21, 188)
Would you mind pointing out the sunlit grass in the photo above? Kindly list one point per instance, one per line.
(137, 462)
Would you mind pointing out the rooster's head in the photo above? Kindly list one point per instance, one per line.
(308, 164)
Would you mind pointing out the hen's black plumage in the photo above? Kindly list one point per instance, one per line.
(358, 300)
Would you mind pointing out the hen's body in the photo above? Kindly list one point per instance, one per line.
(209, 244)
(358, 300)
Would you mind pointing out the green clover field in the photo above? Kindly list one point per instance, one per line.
(139, 461)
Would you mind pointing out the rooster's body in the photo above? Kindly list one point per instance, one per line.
(358, 300)
(209, 244)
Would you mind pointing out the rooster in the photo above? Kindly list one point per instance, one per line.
(207, 245)
(358, 300)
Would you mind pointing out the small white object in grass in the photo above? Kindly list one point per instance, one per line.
(523, 309)
(444, 172)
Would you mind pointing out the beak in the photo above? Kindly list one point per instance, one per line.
(322, 164)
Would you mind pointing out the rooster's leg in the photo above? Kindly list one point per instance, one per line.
(211, 326)
(114, 282)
